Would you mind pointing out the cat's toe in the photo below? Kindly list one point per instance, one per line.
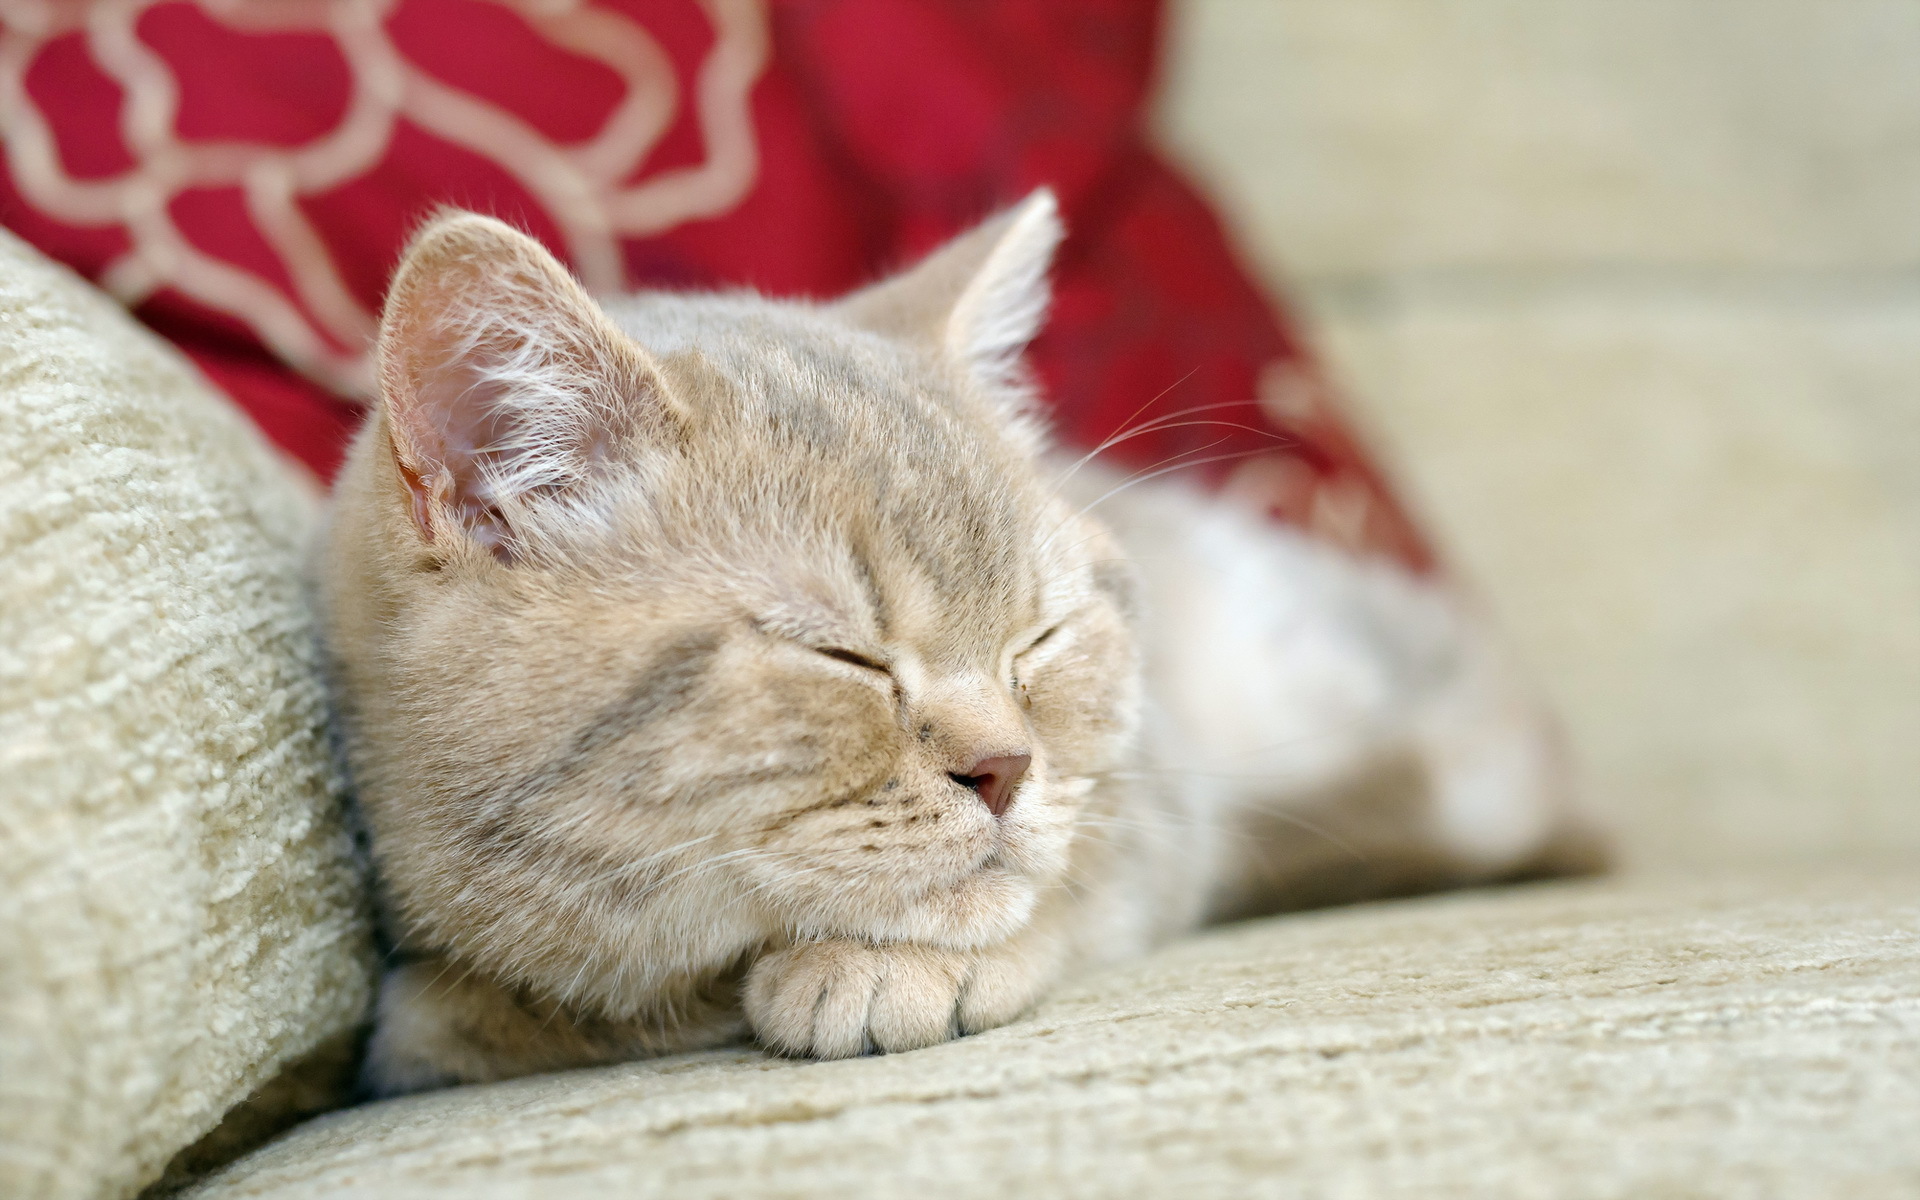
(997, 989)
(812, 999)
(836, 999)
(914, 1004)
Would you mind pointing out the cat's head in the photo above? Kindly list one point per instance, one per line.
(688, 623)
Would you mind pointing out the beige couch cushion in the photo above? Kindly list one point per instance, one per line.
(1633, 1037)
(178, 917)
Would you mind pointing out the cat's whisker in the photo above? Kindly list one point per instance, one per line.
(1047, 545)
(1131, 417)
(655, 886)
(1160, 424)
(1375, 730)
(1243, 835)
(642, 864)
(1166, 466)
(1156, 424)
(442, 974)
(1140, 475)
(572, 989)
(1165, 423)
(1180, 466)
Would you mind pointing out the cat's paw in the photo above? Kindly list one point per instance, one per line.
(837, 998)
(416, 1045)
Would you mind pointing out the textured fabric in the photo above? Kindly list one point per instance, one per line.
(1636, 1037)
(178, 917)
(803, 147)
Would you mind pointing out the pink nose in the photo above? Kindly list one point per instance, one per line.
(994, 779)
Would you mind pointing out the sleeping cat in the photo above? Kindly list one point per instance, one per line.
(710, 665)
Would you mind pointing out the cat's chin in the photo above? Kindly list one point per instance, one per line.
(986, 906)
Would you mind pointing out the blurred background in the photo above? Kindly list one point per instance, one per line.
(1629, 293)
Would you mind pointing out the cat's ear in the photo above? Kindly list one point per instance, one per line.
(980, 298)
(505, 386)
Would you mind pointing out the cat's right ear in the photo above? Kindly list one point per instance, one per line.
(504, 385)
(979, 299)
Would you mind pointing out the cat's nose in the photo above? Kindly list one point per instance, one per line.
(993, 779)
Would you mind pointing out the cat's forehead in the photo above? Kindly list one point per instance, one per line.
(857, 450)
(725, 325)
(782, 358)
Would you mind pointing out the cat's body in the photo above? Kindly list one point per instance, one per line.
(715, 665)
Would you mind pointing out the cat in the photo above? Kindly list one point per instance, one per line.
(712, 666)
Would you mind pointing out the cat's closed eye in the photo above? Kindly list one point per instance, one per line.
(1039, 641)
(1014, 679)
(855, 658)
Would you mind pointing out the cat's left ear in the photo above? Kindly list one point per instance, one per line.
(507, 392)
(980, 298)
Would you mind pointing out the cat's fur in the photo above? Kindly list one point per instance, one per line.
(666, 635)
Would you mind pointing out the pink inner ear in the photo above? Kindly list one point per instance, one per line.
(457, 427)
(502, 380)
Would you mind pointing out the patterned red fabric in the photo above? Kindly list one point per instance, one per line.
(243, 173)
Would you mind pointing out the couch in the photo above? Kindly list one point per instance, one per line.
(1627, 288)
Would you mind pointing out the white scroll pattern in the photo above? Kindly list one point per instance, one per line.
(582, 186)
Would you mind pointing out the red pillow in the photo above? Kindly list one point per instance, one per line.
(244, 175)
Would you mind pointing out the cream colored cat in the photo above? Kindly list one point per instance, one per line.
(712, 665)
